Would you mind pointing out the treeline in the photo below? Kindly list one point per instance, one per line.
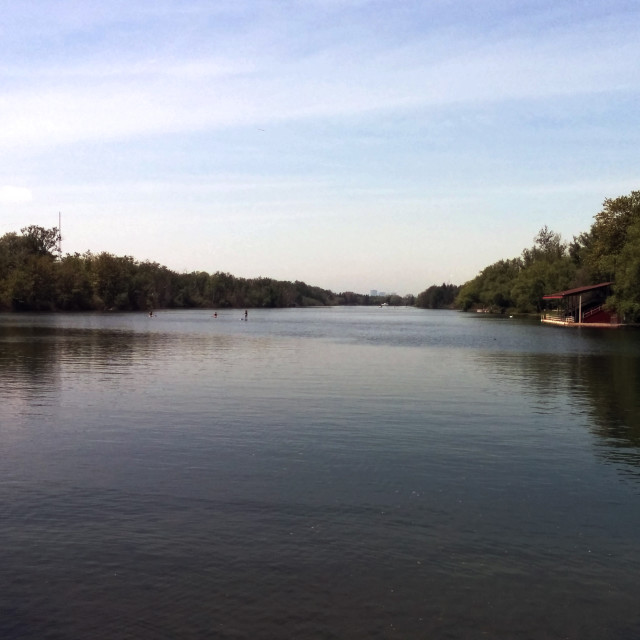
(438, 297)
(609, 251)
(392, 299)
(33, 278)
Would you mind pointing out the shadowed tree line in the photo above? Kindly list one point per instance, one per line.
(609, 251)
(438, 297)
(34, 278)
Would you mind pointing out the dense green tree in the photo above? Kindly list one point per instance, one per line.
(27, 270)
(546, 267)
(609, 251)
(626, 297)
(73, 284)
(491, 288)
(609, 234)
(152, 286)
(112, 281)
(13, 251)
(31, 278)
(40, 241)
(438, 297)
(520, 283)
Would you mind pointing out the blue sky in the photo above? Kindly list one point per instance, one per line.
(352, 144)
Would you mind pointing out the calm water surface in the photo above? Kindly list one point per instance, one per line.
(317, 473)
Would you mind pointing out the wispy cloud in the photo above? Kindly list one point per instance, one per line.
(114, 97)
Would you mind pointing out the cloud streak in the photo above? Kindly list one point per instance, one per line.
(177, 92)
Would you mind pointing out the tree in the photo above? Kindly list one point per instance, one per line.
(626, 297)
(491, 288)
(437, 297)
(41, 241)
(606, 240)
(112, 279)
(74, 290)
(27, 272)
(520, 283)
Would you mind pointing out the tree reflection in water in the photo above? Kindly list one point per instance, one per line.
(603, 387)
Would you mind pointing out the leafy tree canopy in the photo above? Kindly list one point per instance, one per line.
(610, 250)
(33, 279)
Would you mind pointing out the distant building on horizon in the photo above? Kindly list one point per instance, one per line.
(373, 292)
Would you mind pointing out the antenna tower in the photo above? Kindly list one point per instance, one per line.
(59, 236)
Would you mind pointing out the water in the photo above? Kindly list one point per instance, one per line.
(317, 473)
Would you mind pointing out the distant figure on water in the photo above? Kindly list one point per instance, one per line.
(245, 314)
(215, 315)
(151, 313)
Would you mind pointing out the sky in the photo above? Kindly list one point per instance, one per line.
(351, 144)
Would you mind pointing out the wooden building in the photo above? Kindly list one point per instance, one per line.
(580, 307)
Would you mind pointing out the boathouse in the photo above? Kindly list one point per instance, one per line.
(583, 306)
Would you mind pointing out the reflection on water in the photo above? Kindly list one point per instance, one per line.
(356, 473)
(598, 390)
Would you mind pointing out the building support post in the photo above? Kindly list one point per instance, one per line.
(580, 310)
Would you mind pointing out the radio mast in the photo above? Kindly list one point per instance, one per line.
(59, 236)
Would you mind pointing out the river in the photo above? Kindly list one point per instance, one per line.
(317, 473)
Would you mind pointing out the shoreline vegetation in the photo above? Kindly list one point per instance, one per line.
(33, 277)
(608, 252)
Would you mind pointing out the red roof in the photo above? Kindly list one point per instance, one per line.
(573, 292)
